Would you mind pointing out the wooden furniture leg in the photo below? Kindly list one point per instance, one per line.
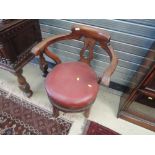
(67, 74)
(55, 112)
(43, 65)
(23, 85)
(87, 112)
(17, 37)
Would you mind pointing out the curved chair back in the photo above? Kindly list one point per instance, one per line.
(91, 36)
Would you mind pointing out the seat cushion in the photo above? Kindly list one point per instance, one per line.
(72, 85)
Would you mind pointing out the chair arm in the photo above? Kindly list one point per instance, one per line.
(41, 47)
(106, 77)
(76, 33)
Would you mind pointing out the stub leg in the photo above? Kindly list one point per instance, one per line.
(23, 85)
(87, 112)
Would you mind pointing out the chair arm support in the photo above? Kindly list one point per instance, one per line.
(41, 47)
(106, 77)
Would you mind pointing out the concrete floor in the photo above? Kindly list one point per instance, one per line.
(104, 110)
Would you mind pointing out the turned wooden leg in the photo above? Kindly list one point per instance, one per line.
(55, 112)
(43, 65)
(23, 85)
(86, 112)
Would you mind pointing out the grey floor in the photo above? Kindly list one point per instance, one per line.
(104, 110)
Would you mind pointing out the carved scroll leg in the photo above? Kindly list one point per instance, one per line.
(23, 85)
(55, 112)
(87, 112)
(43, 65)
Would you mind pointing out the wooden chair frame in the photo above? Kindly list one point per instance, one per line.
(91, 36)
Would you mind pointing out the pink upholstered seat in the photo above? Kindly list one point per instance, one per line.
(72, 85)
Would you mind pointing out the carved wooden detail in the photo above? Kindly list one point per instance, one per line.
(43, 65)
(23, 85)
(91, 36)
(88, 45)
(7, 62)
(3, 59)
(18, 27)
(17, 37)
(1, 51)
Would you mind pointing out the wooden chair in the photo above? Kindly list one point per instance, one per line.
(73, 86)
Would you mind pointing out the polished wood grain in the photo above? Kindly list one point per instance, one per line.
(23, 85)
(92, 36)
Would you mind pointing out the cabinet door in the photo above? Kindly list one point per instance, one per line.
(150, 82)
(143, 107)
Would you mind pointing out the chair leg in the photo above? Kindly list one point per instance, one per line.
(87, 112)
(23, 85)
(43, 65)
(55, 112)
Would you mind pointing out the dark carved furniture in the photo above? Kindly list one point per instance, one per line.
(138, 104)
(73, 86)
(17, 37)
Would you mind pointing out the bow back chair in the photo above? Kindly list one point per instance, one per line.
(73, 86)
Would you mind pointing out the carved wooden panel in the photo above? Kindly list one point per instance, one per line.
(1, 51)
(17, 37)
(89, 44)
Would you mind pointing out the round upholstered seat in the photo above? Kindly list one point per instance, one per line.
(72, 85)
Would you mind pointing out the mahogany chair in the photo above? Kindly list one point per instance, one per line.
(73, 86)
